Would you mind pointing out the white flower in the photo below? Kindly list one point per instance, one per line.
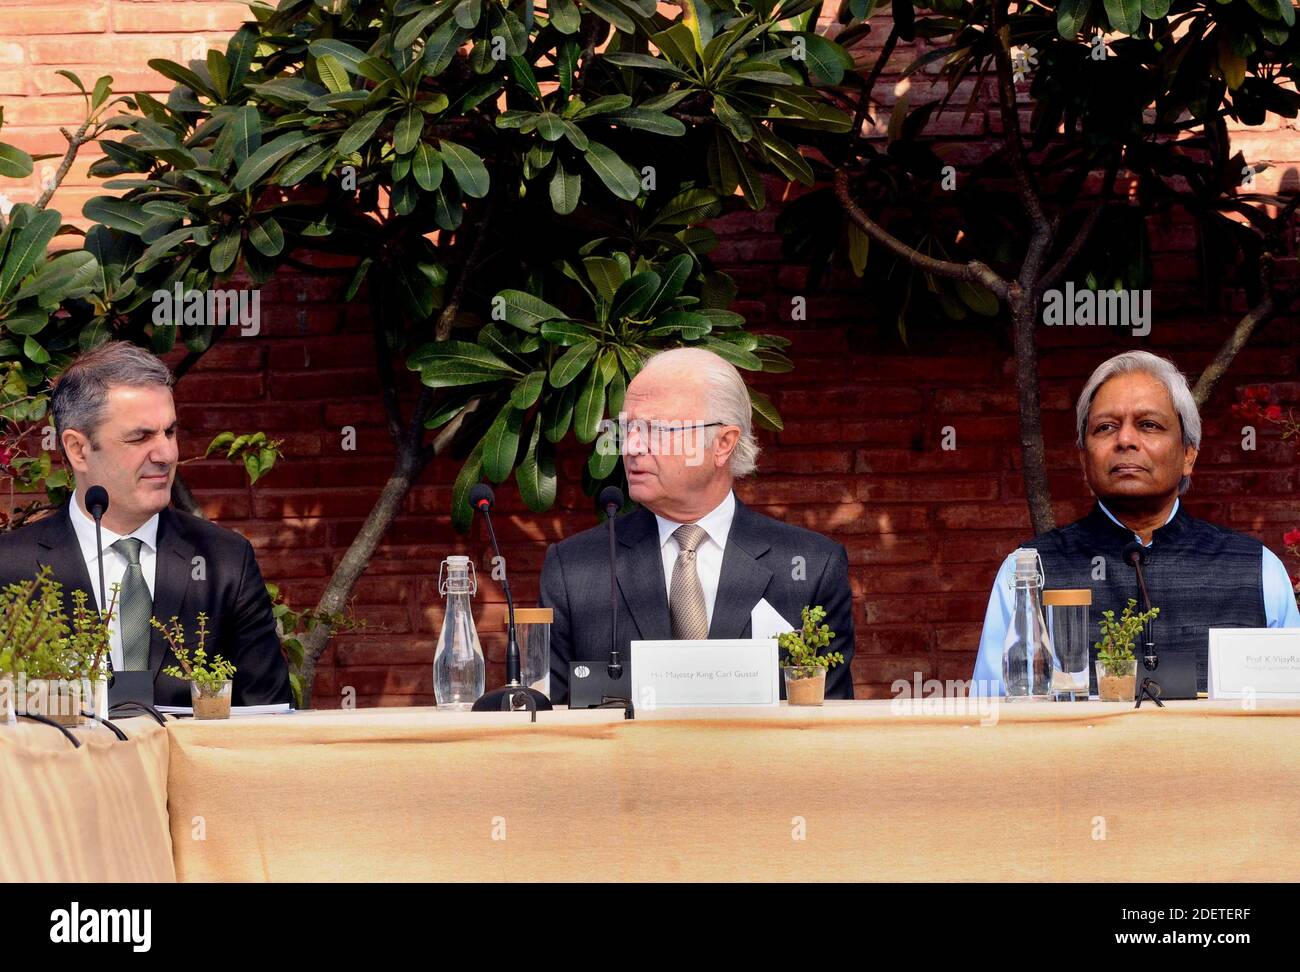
(1022, 59)
(6, 205)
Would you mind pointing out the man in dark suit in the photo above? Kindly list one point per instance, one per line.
(116, 422)
(693, 561)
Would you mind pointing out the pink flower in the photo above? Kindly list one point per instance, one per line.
(1291, 538)
(1273, 413)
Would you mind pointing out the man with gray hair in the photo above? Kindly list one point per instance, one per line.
(116, 422)
(1139, 433)
(693, 562)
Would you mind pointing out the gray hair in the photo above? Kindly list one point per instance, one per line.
(1164, 371)
(78, 394)
(727, 396)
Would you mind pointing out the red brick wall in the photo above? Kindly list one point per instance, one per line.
(859, 458)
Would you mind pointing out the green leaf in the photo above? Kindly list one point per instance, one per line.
(240, 137)
(27, 247)
(361, 131)
(564, 16)
(118, 214)
(240, 51)
(572, 362)
(1070, 15)
(441, 47)
(525, 311)
(347, 55)
(688, 208)
(565, 333)
(565, 189)
(733, 353)
(606, 274)
(219, 72)
(225, 252)
(266, 157)
(408, 130)
(536, 473)
(266, 236)
(34, 351)
(647, 63)
(619, 177)
(649, 121)
(765, 413)
(466, 167)
(528, 390)
(557, 413)
(447, 363)
(501, 443)
(412, 29)
(182, 75)
(827, 61)
(1124, 15)
(426, 167)
(470, 473)
(591, 405)
(333, 74)
(635, 295)
(14, 162)
(303, 165)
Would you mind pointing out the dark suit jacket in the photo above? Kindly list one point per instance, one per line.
(241, 627)
(759, 562)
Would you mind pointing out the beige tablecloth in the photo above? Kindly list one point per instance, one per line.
(97, 813)
(1199, 791)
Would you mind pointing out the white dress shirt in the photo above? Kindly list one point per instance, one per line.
(114, 563)
(708, 555)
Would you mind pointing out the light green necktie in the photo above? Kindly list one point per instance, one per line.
(135, 607)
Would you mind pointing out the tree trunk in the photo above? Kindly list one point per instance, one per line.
(1024, 316)
(353, 565)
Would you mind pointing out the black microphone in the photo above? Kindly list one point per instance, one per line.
(611, 501)
(97, 506)
(589, 686)
(1136, 554)
(512, 695)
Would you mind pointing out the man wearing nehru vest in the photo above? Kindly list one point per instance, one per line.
(1138, 436)
(116, 423)
(693, 561)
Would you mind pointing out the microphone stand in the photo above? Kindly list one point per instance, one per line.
(1149, 687)
(512, 696)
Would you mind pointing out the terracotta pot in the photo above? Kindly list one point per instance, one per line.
(805, 686)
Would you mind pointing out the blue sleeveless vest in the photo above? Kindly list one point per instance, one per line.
(1201, 576)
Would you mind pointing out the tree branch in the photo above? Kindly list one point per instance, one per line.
(74, 146)
(1011, 118)
(1266, 309)
(974, 271)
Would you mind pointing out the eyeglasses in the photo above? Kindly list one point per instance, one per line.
(653, 433)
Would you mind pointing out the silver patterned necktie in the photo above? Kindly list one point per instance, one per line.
(134, 607)
(686, 601)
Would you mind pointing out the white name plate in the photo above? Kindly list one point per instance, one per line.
(742, 671)
(1259, 663)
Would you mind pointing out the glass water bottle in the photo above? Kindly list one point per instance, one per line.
(458, 669)
(1027, 658)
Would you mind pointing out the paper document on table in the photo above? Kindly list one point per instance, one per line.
(271, 708)
(766, 621)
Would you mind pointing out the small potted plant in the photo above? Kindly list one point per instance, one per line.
(804, 668)
(209, 680)
(1116, 663)
(50, 668)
